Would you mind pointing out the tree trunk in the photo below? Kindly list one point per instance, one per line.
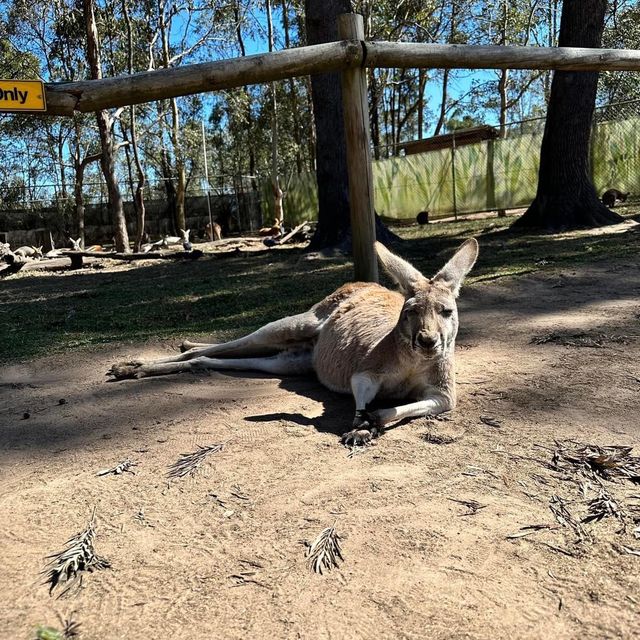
(107, 160)
(275, 182)
(443, 102)
(138, 197)
(176, 142)
(293, 94)
(374, 112)
(249, 113)
(566, 197)
(331, 164)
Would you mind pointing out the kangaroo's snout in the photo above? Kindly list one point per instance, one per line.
(426, 341)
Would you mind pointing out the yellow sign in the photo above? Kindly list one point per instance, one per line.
(22, 95)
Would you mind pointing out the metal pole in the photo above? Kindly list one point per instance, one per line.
(206, 177)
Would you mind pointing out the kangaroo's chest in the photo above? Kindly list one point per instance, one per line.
(407, 382)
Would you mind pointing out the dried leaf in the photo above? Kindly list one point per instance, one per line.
(473, 505)
(630, 550)
(564, 517)
(609, 462)
(435, 438)
(122, 467)
(529, 530)
(491, 421)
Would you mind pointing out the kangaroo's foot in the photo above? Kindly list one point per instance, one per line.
(360, 437)
(365, 429)
(130, 369)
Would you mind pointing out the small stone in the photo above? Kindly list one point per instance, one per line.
(62, 401)
(26, 415)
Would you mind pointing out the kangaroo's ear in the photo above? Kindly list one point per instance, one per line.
(454, 272)
(408, 278)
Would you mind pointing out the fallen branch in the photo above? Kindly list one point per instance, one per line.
(151, 255)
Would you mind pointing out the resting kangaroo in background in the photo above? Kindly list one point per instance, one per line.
(362, 339)
(29, 252)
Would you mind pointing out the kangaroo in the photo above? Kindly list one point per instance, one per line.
(610, 197)
(362, 339)
(214, 232)
(75, 245)
(29, 252)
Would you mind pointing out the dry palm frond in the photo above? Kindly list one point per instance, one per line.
(70, 628)
(66, 567)
(188, 463)
(125, 465)
(606, 462)
(325, 550)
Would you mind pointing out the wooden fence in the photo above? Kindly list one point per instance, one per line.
(351, 56)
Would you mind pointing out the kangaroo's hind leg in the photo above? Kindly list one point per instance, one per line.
(290, 362)
(273, 338)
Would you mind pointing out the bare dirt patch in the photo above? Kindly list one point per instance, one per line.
(445, 525)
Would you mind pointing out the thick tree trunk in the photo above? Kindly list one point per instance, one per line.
(566, 197)
(331, 164)
(107, 160)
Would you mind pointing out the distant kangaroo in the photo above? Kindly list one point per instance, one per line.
(29, 252)
(610, 197)
(362, 339)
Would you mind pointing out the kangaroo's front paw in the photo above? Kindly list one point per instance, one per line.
(123, 370)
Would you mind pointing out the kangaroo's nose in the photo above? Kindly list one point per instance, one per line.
(426, 341)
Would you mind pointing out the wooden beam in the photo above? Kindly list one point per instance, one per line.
(460, 56)
(93, 95)
(65, 98)
(356, 124)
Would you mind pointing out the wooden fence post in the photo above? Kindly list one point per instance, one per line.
(356, 123)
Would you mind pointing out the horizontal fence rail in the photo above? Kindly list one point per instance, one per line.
(464, 56)
(92, 95)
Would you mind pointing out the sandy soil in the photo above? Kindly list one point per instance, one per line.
(221, 554)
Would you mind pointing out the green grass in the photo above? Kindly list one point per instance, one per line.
(53, 313)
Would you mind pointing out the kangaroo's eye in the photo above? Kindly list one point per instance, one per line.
(446, 313)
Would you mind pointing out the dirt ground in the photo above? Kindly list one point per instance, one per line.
(221, 554)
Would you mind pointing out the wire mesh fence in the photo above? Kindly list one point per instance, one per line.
(498, 173)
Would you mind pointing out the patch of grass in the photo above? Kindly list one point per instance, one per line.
(53, 313)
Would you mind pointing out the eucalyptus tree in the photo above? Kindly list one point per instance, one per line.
(622, 31)
(566, 197)
(509, 93)
(53, 34)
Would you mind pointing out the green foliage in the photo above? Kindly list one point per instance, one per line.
(48, 633)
